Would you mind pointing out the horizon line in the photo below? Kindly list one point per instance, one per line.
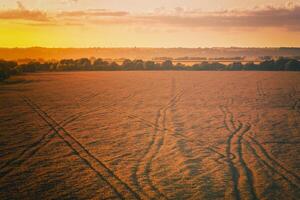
(141, 47)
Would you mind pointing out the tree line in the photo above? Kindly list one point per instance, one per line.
(8, 68)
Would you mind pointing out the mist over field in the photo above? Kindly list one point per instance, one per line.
(143, 53)
(150, 135)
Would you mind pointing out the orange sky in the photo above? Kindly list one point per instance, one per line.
(156, 23)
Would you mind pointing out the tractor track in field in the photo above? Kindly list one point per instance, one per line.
(260, 154)
(141, 175)
(293, 97)
(260, 89)
(238, 166)
(243, 153)
(32, 149)
(267, 164)
(291, 177)
(159, 144)
(135, 176)
(120, 188)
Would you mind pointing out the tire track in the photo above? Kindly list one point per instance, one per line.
(260, 89)
(208, 147)
(134, 176)
(148, 123)
(159, 144)
(246, 170)
(274, 165)
(293, 97)
(32, 149)
(233, 169)
(88, 97)
(160, 141)
(120, 188)
(142, 170)
(239, 168)
(262, 163)
(192, 162)
(267, 164)
(133, 116)
(297, 105)
(263, 156)
(143, 120)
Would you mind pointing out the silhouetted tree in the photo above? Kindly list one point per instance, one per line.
(209, 66)
(217, 66)
(29, 67)
(292, 65)
(201, 66)
(235, 66)
(114, 66)
(138, 65)
(167, 65)
(250, 66)
(7, 68)
(280, 63)
(268, 65)
(150, 65)
(66, 65)
(127, 64)
(180, 66)
(83, 64)
(100, 64)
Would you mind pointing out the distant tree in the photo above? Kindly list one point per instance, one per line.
(235, 66)
(53, 66)
(66, 65)
(7, 68)
(138, 65)
(114, 66)
(217, 66)
(127, 64)
(292, 65)
(209, 66)
(150, 65)
(250, 66)
(179, 66)
(167, 65)
(268, 65)
(100, 64)
(29, 67)
(201, 66)
(83, 64)
(280, 63)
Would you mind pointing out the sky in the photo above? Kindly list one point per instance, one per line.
(155, 23)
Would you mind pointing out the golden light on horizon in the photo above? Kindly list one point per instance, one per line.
(157, 24)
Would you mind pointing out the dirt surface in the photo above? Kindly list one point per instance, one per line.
(150, 135)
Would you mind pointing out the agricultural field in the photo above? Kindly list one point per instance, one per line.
(150, 135)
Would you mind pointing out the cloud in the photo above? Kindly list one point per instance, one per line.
(22, 13)
(287, 17)
(93, 13)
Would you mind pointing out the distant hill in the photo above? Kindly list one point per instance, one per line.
(140, 53)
